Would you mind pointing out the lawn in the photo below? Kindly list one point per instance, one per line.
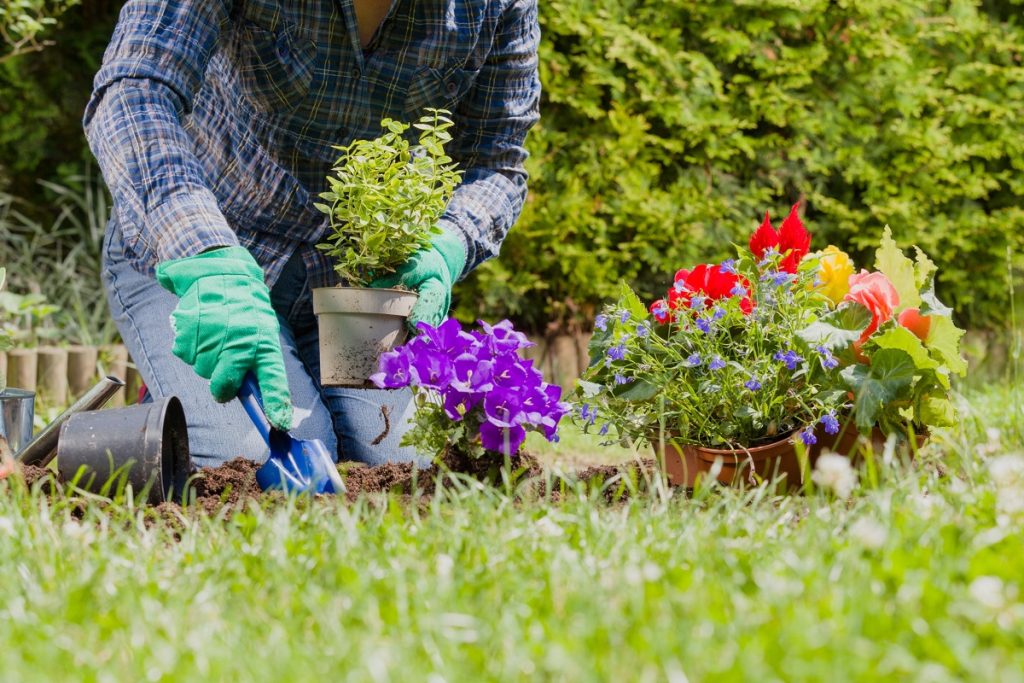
(918, 577)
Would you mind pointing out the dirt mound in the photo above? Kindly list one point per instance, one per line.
(232, 484)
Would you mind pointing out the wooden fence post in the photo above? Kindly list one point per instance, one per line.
(21, 369)
(52, 377)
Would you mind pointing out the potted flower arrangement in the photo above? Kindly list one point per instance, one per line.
(384, 202)
(743, 360)
(898, 366)
(477, 397)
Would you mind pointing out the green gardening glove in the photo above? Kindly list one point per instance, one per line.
(431, 272)
(224, 326)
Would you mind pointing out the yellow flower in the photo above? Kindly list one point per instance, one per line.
(835, 272)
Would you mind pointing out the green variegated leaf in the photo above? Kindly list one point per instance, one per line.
(891, 261)
(837, 330)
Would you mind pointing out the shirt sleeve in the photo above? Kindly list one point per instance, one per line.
(151, 72)
(491, 126)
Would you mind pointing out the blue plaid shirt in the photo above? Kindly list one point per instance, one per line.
(213, 120)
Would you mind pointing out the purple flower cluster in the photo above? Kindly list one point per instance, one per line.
(478, 371)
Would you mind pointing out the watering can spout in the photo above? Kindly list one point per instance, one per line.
(42, 449)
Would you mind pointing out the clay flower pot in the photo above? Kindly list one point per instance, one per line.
(357, 325)
(685, 465)
(847, 440)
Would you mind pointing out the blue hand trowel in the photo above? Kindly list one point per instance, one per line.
(295, 465)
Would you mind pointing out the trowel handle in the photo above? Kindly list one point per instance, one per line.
(252, 401)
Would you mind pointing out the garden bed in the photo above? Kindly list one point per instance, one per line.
(233, 484)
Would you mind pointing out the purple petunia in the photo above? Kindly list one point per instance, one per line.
(479, 373)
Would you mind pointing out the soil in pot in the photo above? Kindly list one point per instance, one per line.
(357, 325)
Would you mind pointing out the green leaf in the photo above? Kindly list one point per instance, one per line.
(936, 411)
(629, 300)
(930, 304)
(636, 391)
(944, 342)
(924, 269)
(876, 385)
(838, 329)
(589, 389)
(891, 261)
(901, 338)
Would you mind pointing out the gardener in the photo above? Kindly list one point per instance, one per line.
(214, 124)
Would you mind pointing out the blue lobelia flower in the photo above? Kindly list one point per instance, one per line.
(704, 325)
(622, 379)
(643, 329)
(693, 360)
(790, 358)
(624, 317)
(697, 300)
(601, 322)
(830, 422)
(828, 361)
(728, 267)
(777, 278)
(752, 384)
(604, 429)
(716, 363)
(617, 352)
(807, 436)
(738, 290)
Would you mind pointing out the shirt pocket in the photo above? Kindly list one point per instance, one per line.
(277, 65)
(438, 88)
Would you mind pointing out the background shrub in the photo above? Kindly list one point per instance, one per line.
(669, 126)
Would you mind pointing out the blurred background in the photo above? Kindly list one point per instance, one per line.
(668, 128)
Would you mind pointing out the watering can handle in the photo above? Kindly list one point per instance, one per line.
(252, 401)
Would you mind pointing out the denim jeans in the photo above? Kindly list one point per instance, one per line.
(350, 422)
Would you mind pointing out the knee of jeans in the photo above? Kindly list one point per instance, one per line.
(213, 445)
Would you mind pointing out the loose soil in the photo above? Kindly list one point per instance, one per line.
(231, 485)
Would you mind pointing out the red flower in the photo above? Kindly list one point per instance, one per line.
(792, 240)
(709, 281)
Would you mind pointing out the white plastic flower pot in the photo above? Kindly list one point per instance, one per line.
(357, 325)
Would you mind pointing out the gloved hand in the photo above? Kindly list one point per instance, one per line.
(224, 326)
(431, 272)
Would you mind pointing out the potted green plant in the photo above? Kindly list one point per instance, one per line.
(716, 375)
(385, 199)
(899, 364)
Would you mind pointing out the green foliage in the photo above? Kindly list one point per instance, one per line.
(902, 378)
(23, 23)
(668, 126)
(386, 198)
(719, 374)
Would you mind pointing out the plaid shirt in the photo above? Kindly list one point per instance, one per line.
(213, 120)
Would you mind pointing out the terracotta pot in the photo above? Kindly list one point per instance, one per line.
(685, 465)
(849, 442)
(357, 325)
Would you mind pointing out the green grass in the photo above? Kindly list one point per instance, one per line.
(919, 579)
